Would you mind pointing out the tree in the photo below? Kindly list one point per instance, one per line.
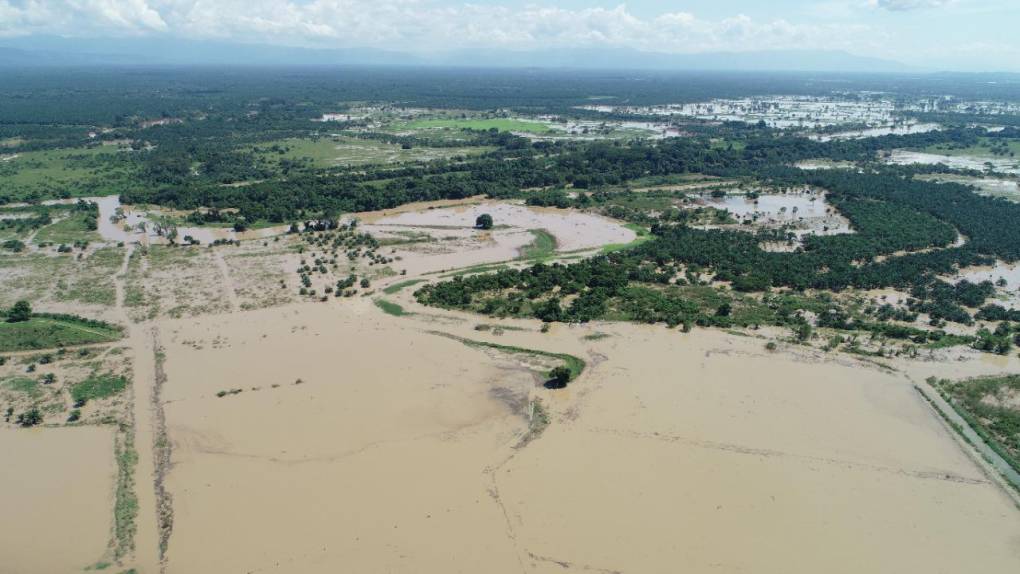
(559, 377)
(20, 312)
(484, 221)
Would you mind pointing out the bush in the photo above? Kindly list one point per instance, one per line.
(20, 312)
(559, 377)
(30, 418)
(484, 221)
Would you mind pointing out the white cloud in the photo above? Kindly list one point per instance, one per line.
(905, 5)
(415, 25)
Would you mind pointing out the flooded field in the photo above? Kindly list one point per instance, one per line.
(447, 238)
(338, 405)
(1006, 276)
(58, 490)
(775, 111)
(802, 212)
(898, 129)
(1000, 165)
(990, 186)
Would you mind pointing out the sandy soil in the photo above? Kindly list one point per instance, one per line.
(57, 487)
(694, 452)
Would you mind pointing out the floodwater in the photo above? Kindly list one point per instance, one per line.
(132, 217)
(892, 129)
(400, 452)
(808, 212)
(57, 486)
(456, 244)
(1001, 165)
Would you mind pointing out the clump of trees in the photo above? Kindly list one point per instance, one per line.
(19, 312)
(483, 221)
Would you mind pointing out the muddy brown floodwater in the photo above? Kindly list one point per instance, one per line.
(357, 441)
(57, 487)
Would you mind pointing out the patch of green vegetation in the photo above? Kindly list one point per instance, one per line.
(574, 365)
(642, 236)
(501, 124)
(98, 386)
(543, 246)
(482, 268)
(596, 336)
(325, 152)
(397, 287)
(991, 406)
(47, 332)
(391, 308)
(125, 509)
(68, 172)
(984, 148)
(75, 227)
(25, 385)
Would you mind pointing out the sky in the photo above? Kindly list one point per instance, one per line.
(965, 35)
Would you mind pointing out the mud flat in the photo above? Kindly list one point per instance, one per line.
(347, 439)
(58, 487)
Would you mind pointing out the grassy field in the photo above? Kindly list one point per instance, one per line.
(68, 230)
(48, 333)
(501, 124)
(98, 386)
(65, 172)
(342, 151)
(983, 149)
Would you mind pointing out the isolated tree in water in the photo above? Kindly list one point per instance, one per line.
(559, 377)
(484, 221)
(21, 311)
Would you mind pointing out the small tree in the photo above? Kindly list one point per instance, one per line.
(20, 312)
(559, 377)
(484, 221)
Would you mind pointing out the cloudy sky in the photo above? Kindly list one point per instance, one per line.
(941, 34)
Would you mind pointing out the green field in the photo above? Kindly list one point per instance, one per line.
(345, 151)
(100, 170)
(501, 124)
(49, 332)
(98, 386)
(68, 230)
(983, 149)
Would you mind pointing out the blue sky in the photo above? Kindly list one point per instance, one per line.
(971, 35)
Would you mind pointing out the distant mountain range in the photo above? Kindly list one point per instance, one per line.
(35, 51)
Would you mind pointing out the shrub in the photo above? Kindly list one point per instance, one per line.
(484, 221)
(20, 312)
(559, 377)
(30, 418)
